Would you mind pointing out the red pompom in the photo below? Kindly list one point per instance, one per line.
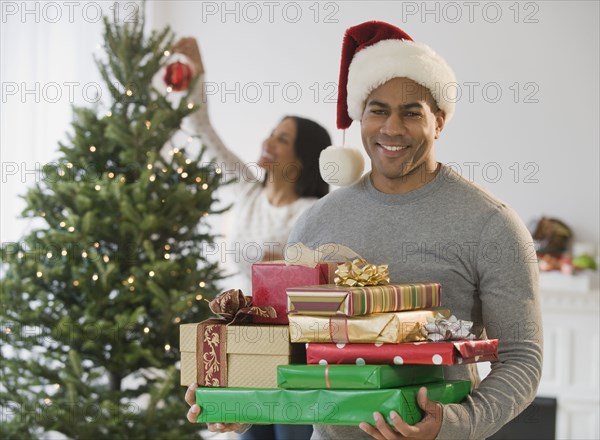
(178, 76)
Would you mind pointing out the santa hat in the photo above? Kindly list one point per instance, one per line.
(373, 53)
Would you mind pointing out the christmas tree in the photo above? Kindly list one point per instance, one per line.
(91, 300)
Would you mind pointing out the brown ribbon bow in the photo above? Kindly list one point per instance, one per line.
(211, 341)
(234, 307)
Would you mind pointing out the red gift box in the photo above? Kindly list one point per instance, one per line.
(423, 353)
(269, 281)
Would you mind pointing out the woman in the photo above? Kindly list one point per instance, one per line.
(267, 205)
(272, 193)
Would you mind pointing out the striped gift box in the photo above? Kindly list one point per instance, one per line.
(330, 299)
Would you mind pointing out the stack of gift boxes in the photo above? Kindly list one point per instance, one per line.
(333, 355)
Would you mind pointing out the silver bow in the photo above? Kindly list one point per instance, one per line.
(442, 329)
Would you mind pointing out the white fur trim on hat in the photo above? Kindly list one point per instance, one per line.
(375, 65)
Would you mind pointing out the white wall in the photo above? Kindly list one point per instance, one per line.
(544, 52)
(46, 67)
(553, 141)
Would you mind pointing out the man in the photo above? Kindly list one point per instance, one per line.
(429, 224)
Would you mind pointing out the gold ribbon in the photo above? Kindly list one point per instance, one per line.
(360, 273)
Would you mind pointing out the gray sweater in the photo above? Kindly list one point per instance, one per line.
(453, 232)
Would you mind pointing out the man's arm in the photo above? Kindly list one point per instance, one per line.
(509, 291)
(508, 283)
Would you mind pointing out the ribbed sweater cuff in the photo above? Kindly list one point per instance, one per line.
(456, 423)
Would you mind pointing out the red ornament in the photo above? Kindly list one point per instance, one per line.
(178, 76)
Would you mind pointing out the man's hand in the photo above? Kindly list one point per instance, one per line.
(194, 412)
(427, 428)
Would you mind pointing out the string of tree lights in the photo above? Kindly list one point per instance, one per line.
(94, 295)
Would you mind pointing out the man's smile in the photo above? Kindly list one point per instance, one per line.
(393, 147)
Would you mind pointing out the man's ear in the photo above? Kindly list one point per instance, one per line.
(440, 121)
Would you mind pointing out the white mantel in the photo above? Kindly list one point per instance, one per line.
(571, 371)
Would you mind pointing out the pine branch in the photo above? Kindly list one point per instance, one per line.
(116, 266)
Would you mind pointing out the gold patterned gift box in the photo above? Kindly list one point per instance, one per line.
(241, 356)
(406, 326)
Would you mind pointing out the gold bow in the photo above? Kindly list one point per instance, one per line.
(360, 273)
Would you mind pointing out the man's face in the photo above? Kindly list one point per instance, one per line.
(398, 128)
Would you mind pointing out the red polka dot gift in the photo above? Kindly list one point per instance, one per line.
(422, 353)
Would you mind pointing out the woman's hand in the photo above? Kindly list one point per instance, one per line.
(194, 412)
(189, 47)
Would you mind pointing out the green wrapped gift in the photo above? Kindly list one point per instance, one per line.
(326, 407)
(356, 376)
